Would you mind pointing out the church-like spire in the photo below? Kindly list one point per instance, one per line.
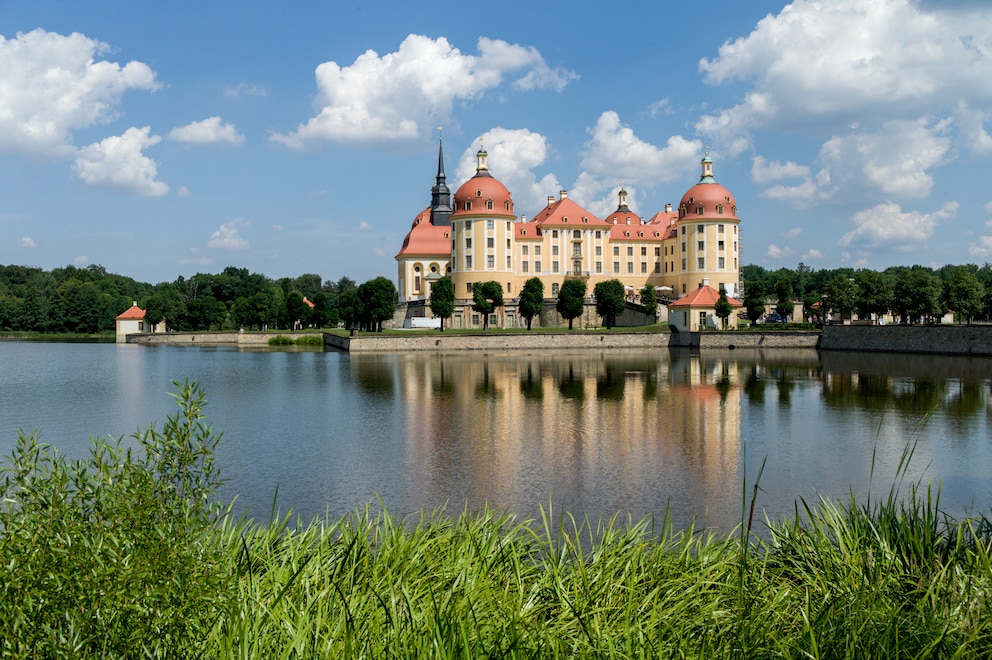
(440, 195)
(707, 163)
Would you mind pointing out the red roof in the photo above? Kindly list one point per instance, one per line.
(703, 296)
(568, 214)
(133, 313)
(426, 239)
(483, 191)
(713, 198)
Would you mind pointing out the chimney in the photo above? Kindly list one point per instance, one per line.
(134, 303)
(668, 208)
(562, 194)
(523, 218)
(551, 200)
(705, 282)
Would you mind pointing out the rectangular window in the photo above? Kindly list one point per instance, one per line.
(599, 250)
(700, 246)
(719, 229)
(492, 319)
(523, 249)
(721, 262)
(489, 224)
(554, 250)
(644, 266)
(683, 230)
(468, 261)
(657, 267)
(490, 242)
(630, 266)
(683, 246)
(702, 319)
(554, 266)
(599, 266)
(616, 250)
(683, 266)
(702, 263)
(699, 229)
(537, 266)
(490, 261)
(616, 267)
(630, 250)
(508, 264)
(537, 250)
(468, 243)
(599, 234)
(468, 287)
(524, 266)
(644, 251)
(719, 246)
(554, 233)
(475, 319)
(657, 252)
(576, 249)
(507, 244)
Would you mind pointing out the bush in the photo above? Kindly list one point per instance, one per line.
(112, 555)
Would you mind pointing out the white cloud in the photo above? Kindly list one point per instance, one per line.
(763, 171)
(792, 233)
(245, 89)
(27, 242)
(887, 225)
(226, 237)
(988, 208)
(982, 249)
(196, 259)
(81, 260)
(514, 154)
(182, 191)
(207, 131)
(775, 252)
(52, 85)
(403, 95)
(364, 226)
(812, 254)
(118, 163)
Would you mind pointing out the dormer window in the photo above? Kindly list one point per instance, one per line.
(489, 204)
(719, 209)
(478, 193)
(506, 205)
(565, 219)
(468, 206)
(699, 210)
(584, 219)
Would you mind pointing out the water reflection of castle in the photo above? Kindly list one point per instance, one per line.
(523, 425)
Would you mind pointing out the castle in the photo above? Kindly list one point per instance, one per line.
(476, 236)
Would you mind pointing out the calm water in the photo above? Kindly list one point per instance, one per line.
(596, 433)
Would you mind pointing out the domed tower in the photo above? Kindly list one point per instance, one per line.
(482, 231)
(708, 236)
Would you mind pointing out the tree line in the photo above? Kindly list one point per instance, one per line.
(915, 294)
(88, 300)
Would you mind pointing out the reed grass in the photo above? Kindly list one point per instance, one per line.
(122, 557)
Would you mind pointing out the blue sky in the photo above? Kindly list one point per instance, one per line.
(164, 139)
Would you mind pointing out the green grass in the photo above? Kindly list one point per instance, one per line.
(306, 340)
(124, 555)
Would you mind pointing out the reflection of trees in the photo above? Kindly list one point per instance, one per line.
(571, 387)
(969, 400)
(373, 375)
(610, 384)
(530, 386)
(923, 396)
(785, 386)
(441, 382)
(867, 391)
(754, 388)
(486, 387)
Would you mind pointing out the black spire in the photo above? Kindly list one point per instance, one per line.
(440, 195)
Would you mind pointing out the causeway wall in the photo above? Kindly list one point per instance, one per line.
(496, 342)
(212, 338)
(933, 339)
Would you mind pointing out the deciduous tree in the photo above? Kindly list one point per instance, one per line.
(486, 297)
(443, 299)
(531, 299)
(609, 301)
(571, 300)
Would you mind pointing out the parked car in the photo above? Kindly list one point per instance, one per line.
(773, 318)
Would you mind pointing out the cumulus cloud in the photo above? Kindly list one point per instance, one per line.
(763, 172)
(206, 131)
(982, 248)
(775, 252)
(614, 153)
(792, 233)
(887, 225)
(52, 85)
(81, 260)
(403, 95)
(118, 163)
(227, 238)
(195, 259)
(894, 86)
(514, 155)
(812, 254)
(27, 242)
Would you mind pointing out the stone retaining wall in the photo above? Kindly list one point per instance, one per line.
(495, 342)
(744, 339)
(212, 338)
(935, 339)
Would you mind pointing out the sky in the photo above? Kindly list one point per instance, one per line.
(161, 139)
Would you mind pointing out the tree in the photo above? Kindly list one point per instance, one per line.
(754, 299)
(783, 293)
(841, 294)
(350, 307)
(917, 294)
(531, 299)
(486, 297)
(378, 301)
(649, 298)
(874, 294)
(297, 311)
(443, 299)
(320, 315)
(609, 301)
(723, 307)
(962, 292)
(571, 300)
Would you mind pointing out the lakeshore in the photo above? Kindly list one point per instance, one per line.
(930, 339)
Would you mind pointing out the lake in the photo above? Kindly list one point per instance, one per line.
(595, 433)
